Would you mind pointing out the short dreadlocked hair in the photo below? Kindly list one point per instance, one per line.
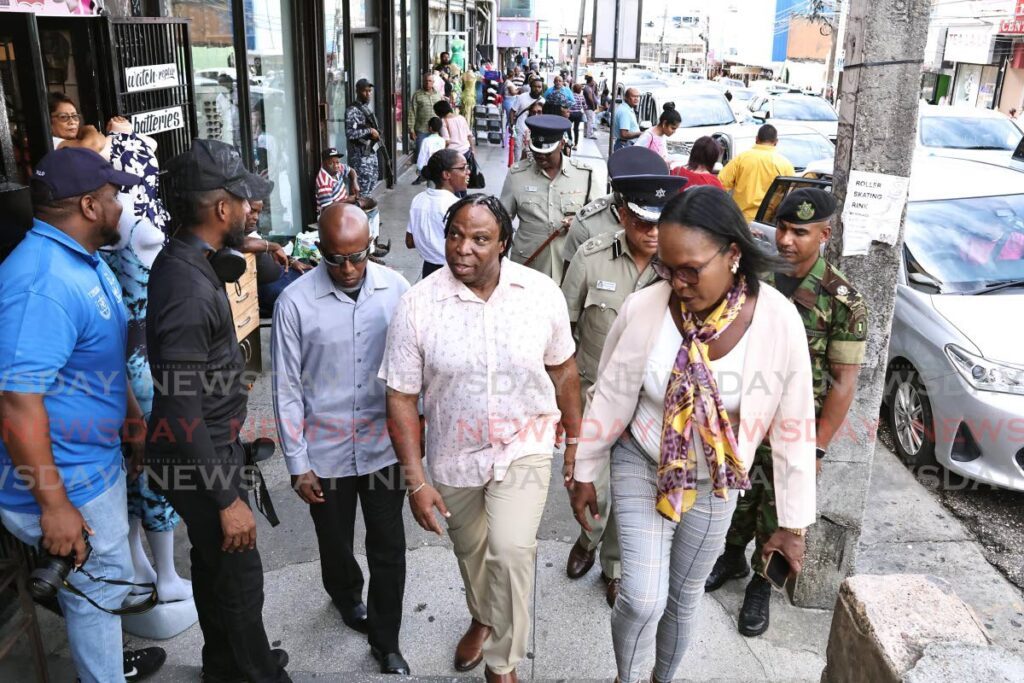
(491, 203)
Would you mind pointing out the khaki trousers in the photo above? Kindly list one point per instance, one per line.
(494, 530)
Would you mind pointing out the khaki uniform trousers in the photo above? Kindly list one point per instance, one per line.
(604, 531)
(494, 531)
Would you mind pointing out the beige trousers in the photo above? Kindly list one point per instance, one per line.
(494, 530)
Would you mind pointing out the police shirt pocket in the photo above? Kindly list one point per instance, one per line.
(599, 312)
(571, 202)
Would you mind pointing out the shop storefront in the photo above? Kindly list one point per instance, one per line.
(272, 77)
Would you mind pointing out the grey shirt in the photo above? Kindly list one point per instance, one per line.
(329, 404)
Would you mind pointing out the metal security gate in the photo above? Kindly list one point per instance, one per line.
(152, 82)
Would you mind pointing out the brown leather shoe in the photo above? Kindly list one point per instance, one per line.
(470, 650)
(611, 591)
(492, 677)
(580, 561)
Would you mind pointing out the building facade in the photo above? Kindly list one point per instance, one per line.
(272, 77)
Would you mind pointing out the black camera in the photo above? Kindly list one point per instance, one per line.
(53, 570)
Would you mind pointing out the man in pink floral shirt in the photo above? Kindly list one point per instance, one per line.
(487, 343)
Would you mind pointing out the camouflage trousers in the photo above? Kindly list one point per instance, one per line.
(367, 167)
(755, 516)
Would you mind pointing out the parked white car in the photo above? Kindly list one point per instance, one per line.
(967, 133)
(704, 111)
(809, 110)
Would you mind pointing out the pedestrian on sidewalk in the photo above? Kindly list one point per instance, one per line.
(456, 133)
(603, 215)
(432, 143)
(656, 137)
(545, 194)
(625, 128)
(194, 454)
(667, 403)
(490, 476)
(604, 271)
(835, 319)
(524, 101)
(335, 181)
(700, 166)
(421, 110)
(449, 172)
(327, 339)
(589, 111)
(362, 131)
(64, 344)
(576, 109)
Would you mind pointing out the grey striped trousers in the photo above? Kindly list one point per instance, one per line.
(664, 565)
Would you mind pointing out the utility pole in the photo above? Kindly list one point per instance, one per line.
(838, 35)
(579, 41)
(885, 43)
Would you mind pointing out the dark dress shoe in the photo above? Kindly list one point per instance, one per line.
(279, 656)
(491, 677)
(611, 591)
(753, 619)
(732, 564)
(470, 650)
(390, 662)
(580, 561)
(354, 616)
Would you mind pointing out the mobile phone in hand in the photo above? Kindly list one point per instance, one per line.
(777, 570)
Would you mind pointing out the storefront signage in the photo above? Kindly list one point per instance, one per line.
(969, 44)
(152, 122)
(1013, 26)
(152, 77)
(53, 8)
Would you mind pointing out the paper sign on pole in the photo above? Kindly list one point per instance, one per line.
(873, 209)
(602, 47)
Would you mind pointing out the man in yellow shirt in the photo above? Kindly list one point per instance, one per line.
(749, 175)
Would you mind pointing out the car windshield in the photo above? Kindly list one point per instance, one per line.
(958, 245)
(802, 108)
(705, 110)
(969, 132)
(801, 150)
(743, 95)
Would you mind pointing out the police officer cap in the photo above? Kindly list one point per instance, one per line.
(630, 161)
(806, 205)
(547, 132)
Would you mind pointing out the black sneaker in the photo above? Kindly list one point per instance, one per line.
(141, 664)
(732, 564)
(754, 614)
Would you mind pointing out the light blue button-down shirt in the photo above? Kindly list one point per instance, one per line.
(329, 404)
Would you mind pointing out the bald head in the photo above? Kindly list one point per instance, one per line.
(344, 228)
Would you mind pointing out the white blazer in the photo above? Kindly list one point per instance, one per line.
(777, 397)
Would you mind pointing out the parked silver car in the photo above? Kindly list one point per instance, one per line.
(955, 375)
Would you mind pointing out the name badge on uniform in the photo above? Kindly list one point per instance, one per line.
(530, 188)
(606, 286)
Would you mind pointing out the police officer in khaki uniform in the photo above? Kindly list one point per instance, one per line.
(602, 215)
(604, 271)
(545, 193)
(835, 318)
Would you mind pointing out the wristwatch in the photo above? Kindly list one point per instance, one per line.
(796, 532)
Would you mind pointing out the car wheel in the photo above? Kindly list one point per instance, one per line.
(910, 418)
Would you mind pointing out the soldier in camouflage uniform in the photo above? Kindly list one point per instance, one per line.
(604, 271)
(835, 318)
(363, 137)
(601, 215)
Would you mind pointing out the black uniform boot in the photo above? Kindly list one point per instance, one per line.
(753, 619)
(732, 564)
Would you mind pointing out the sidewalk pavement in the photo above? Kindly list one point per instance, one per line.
(906, 530)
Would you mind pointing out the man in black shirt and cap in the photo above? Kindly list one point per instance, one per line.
(199, 407)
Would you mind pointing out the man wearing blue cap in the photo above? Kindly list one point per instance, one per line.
(64, 398)
(199, 406)
(603, 272)
(545, 193)
(602, 215)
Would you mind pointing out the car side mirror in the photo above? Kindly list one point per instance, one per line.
(644, 125)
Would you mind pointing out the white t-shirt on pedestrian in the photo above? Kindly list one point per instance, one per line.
(522, 104)
(432, 143)
(426, 223)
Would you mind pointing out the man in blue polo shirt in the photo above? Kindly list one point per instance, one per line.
(64, 399)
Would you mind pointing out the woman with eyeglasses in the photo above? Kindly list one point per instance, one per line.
(448, 172)
(697, 371)
(65, 124)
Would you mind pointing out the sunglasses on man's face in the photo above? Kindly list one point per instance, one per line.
(339, 260)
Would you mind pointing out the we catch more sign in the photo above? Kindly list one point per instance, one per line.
(153, 77)
(152, 122)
